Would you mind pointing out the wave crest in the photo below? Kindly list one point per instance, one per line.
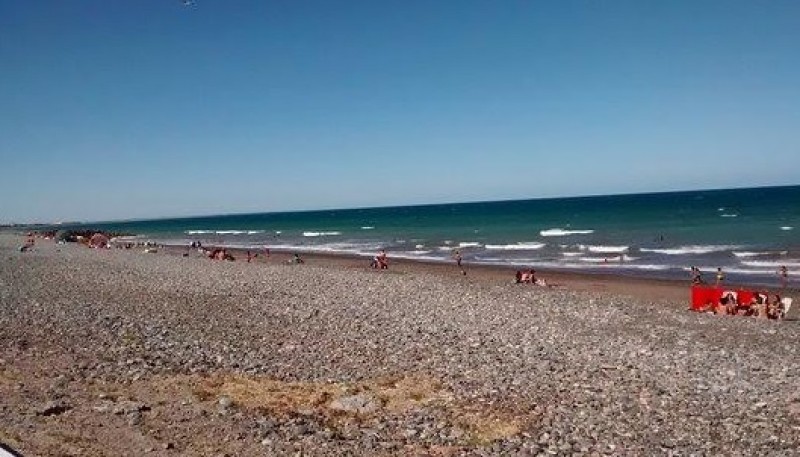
(315, 234)
(529, 246)
(696, 249)
(563, 232)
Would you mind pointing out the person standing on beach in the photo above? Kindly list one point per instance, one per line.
(459, 259)
(697, 276)
(720, 276)
(783, 272)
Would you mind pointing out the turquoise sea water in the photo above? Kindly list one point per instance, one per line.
(748, 232)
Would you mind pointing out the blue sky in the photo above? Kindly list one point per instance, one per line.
(148, 108)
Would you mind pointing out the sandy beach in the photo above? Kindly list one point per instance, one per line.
(118, 352)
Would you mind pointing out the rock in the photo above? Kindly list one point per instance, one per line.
(134, 418)
(225, 402)
(53, 408)
(360, 404)
(127, 407)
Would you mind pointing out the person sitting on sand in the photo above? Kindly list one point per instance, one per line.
(775, 308)
(219, 254)
(381, 261)
(518, 277)
(728, 301)
(296, 259)
(760, 310)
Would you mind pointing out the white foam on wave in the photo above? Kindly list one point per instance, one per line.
(684, 250)
(598, 259)
(367, 227)
(563, 232)
(729, 215)
(786, 228)
(417, 255)
(414, 252)
(445, 248)
(607, 249)
(469, 244)
(575, 266)
(362, 249)
(771, 263)
(522, 246)
(740, 271)
(609, 265)
(618, 258)
(315, 234)
(223, 232)
(747, 254)
(572, 254)
(419, 246)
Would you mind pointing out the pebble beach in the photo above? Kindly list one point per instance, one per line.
(122, 353)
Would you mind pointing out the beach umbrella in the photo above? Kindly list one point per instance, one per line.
(98, 240)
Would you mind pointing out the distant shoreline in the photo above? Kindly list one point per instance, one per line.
(675, 290)
(750, 233)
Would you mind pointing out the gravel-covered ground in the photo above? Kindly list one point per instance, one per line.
(125, 353)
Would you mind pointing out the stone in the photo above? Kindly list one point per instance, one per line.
(225, 402)
(53, 408)
(360, 404)
(134, 418)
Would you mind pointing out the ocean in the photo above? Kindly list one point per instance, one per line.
(750, 233)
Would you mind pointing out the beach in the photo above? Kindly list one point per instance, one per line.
(118, 352)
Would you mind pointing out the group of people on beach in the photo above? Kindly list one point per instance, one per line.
(380, 261)
(697, 276)
(760, 305)
(529, 277)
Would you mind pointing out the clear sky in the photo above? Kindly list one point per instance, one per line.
(149, 108)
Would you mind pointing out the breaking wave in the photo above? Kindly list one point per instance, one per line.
(563, 232)
(770, 264)
(315, 234)
(607, 249)
(747, 254)
(223, 232)
(531, 246)
(684, 250)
